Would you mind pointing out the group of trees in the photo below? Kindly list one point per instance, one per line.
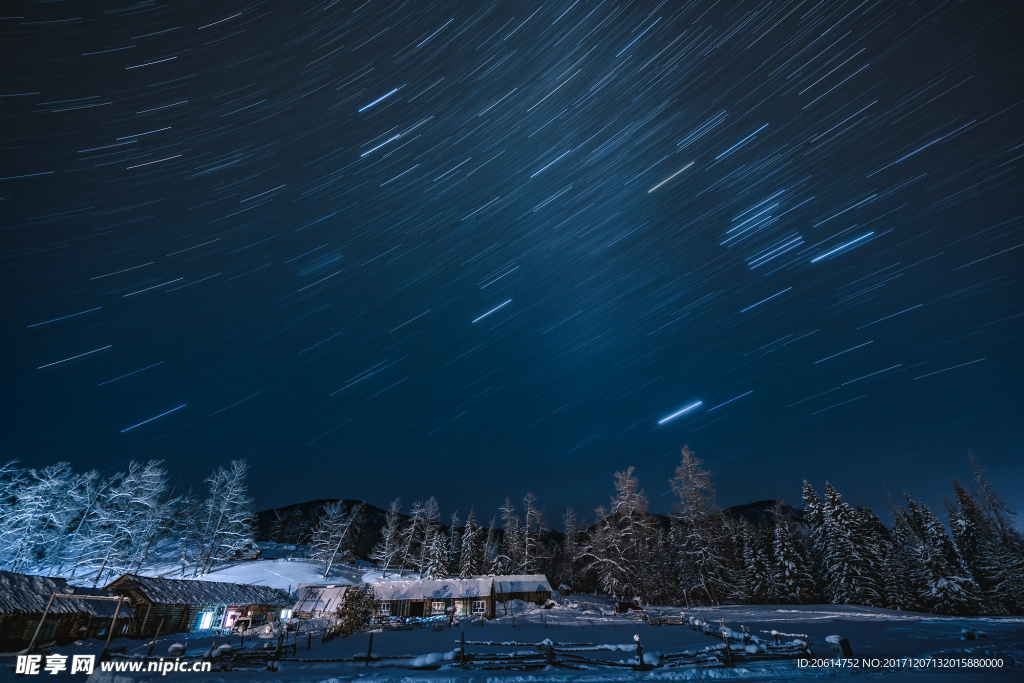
(86, 526)
(59, 522)
(829, 552)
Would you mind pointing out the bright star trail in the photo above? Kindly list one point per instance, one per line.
(679, 412)
(475, 249)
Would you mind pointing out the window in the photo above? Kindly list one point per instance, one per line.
(479, 607)
(384, 609)
(437, 607)
(286, 614)
(205, 620)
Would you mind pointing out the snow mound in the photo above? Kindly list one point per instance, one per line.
(432, 658)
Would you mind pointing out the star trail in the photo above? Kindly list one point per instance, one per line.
(475, 249)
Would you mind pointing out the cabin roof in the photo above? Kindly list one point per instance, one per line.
(27, 594)
(187, 592)
(320, 598)
(432, 589)
(522, 583)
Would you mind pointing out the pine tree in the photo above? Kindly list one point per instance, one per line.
(792, 580)
(454, 544)
(469, 551)
(944, 589)
(437, 557)
(757, 572)
(851, 577)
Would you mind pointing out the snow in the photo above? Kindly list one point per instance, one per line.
(432, 589)
(423, 655)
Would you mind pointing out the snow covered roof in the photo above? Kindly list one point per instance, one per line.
(29, 594)
(186, 592)
(522, 583)
(320, 598)
(432, 589)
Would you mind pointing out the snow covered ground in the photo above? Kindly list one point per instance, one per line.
(585, 626)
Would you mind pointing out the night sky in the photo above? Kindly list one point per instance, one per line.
(472, 249)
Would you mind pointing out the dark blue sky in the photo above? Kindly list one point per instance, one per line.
(474, 249)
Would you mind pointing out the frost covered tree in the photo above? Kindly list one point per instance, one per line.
(941, 584)
(851, 576)
(412, 537)
(533, 526)
(389, 548)
(37, 515)
(1009, 542)
(432, 527)
(227, 517)
(623, 549)
(469, 548)
(335, 532)
(572, 550)
(792, 580)
(496, 561)
(454, 543)
(700, 535)
(513, 544)
(437, 557)
(130, 510)
(757, 563)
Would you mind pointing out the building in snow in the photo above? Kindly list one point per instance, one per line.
(526, 587)
(177, 605)
(432, 597)
(23, 600)
(317, 601)
(476, 596)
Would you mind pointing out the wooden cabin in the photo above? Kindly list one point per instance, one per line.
(179, 605)
(526, 587)
(432, 597)
(318, 601)
(23, 600)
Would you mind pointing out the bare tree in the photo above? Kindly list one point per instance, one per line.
(335, 532)
(389, 548)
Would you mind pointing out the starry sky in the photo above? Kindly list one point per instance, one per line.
(475, 249)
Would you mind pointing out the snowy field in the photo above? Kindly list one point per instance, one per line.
(584, 627)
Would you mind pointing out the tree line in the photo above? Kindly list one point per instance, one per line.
(62, 523)
(86, 526)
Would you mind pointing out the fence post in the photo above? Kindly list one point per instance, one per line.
(155, 636)
(369, 649)
(110, 631)
(40, 626)
(462, 651)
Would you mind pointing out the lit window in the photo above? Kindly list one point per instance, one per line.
(205, 620)
(384, 609)
(286, 614)
(437, 607)
(479, 607)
